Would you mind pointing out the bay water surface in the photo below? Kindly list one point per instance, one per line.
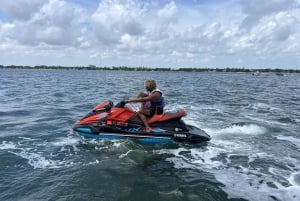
(254, 153)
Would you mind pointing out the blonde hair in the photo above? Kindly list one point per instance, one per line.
(150, 84)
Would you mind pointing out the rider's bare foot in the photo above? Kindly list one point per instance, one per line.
(148, 129)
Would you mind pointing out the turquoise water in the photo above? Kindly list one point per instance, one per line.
(254, 122)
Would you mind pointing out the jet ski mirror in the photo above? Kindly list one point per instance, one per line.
(120, 104)
(107, 105)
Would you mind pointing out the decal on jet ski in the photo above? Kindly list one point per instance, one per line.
(102, 116)
(134, 129)
(120, 123)
(180, 135)
(116, 123)
(178, 129)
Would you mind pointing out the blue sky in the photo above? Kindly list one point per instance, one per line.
(152, 33)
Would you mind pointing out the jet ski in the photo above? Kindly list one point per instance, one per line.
(107, 120)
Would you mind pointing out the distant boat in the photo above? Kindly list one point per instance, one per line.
(256, 73)
(280, 74)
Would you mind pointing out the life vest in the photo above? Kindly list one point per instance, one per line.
(159, 102)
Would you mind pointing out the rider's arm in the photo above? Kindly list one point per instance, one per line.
(153, 96)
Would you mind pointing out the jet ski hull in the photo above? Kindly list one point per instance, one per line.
(108, 122)
(194, 135)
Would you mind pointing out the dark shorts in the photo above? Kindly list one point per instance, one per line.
(158, 110)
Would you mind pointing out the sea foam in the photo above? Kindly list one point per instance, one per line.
(245, 129)
(293, 140)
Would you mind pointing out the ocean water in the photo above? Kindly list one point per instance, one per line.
(254, 122)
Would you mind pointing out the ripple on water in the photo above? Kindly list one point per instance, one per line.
(253, 122)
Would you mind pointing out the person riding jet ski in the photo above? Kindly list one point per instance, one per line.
(156, 99)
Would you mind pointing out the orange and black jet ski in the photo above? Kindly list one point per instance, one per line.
(107, 120)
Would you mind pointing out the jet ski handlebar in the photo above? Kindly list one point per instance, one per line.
(121, 104)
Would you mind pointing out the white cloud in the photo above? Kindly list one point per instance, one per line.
(167, 14)
(114, 18)
(6, 30)
(55, 22)
(255, 10)
(20, 9)
(151, 33)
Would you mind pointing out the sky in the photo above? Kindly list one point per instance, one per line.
(151, 33)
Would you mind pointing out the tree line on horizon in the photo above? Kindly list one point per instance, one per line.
(142, 68)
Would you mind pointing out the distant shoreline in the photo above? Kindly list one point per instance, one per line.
(125, 68)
